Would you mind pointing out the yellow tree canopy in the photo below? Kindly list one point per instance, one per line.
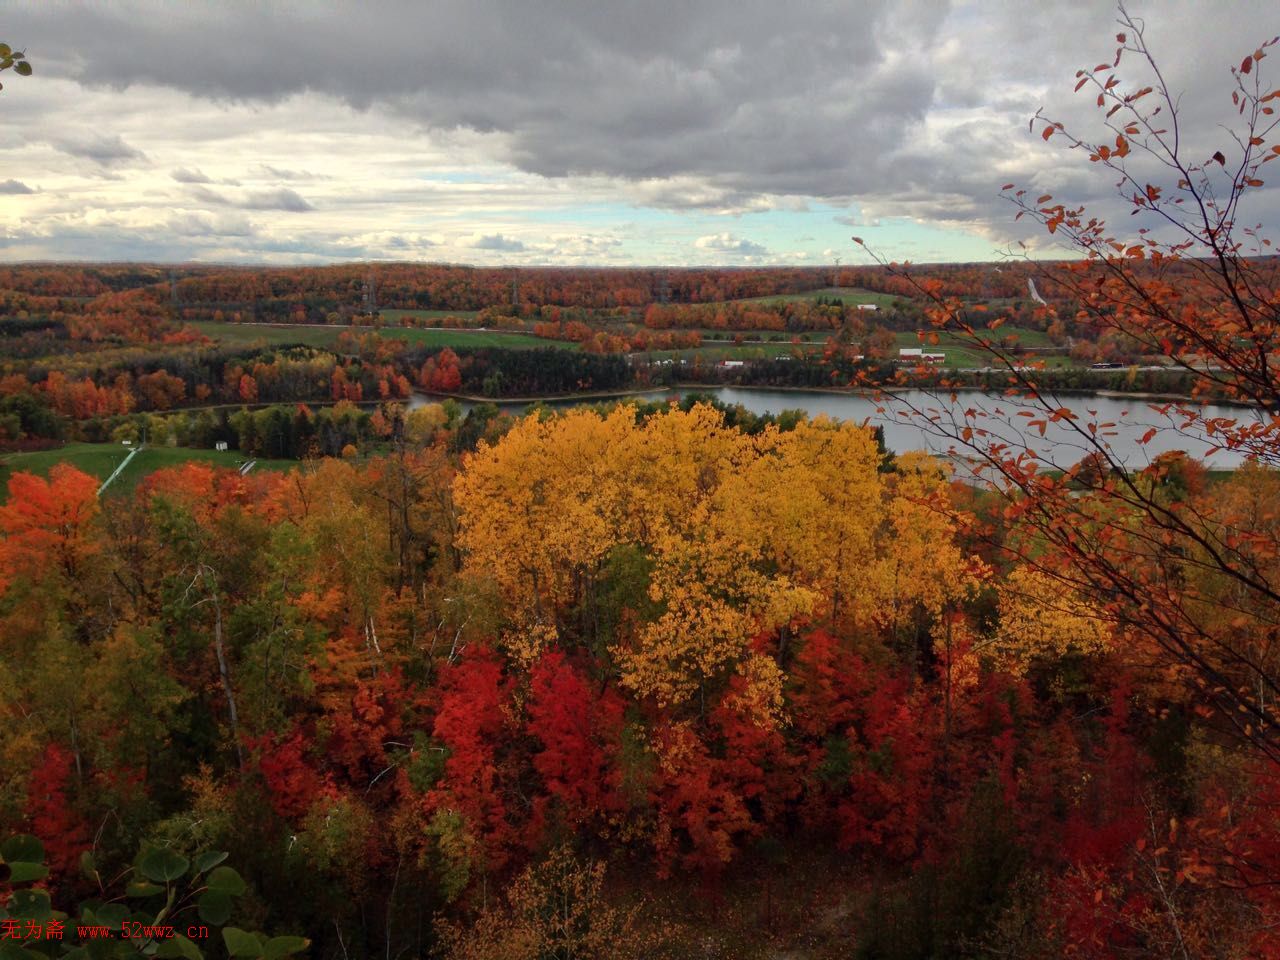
(744, 535)
(1040, 618)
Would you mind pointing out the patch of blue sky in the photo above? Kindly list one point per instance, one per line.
(809, 235)
(815, 230)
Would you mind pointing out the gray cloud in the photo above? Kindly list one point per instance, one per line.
(849, 220)
(914, 109)
(496, 241)
(277, 173)
(14, 186)
(190, 236)
(282, 199)
(753, 97)
(742, 97)
(205, 195)
(183, 175)
(100, 148)
(201, 224)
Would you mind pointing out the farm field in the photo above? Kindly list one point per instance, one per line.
(847, 294)
(962, 356)
(239, 334)
(100, 459)
(745, 351)
(1025, 335)
(766, 336)
(958, 355)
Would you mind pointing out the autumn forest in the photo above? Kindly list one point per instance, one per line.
(404, 610)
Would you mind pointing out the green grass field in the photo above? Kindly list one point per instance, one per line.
(476, 338)
(847, 294)
(272, 335)
(243, 334)
(958, 355)
(1026, 336)
(961, 355)
(746, 351)
(96, 459)
(100, 459)
(773, 336)
(238, 334)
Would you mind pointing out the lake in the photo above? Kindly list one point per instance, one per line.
(905, 418)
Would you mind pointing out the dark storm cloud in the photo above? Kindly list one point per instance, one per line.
(14, 186)
(887, 110)
(758, 95)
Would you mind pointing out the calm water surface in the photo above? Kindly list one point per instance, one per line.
(916, 420)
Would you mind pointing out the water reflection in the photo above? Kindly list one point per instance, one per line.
(918, 420)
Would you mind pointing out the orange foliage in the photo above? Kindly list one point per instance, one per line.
(47, 524)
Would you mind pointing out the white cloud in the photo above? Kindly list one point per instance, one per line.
(496, 241)
(608, 133)
(728, 243)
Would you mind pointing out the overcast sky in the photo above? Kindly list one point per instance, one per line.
(545, 131)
